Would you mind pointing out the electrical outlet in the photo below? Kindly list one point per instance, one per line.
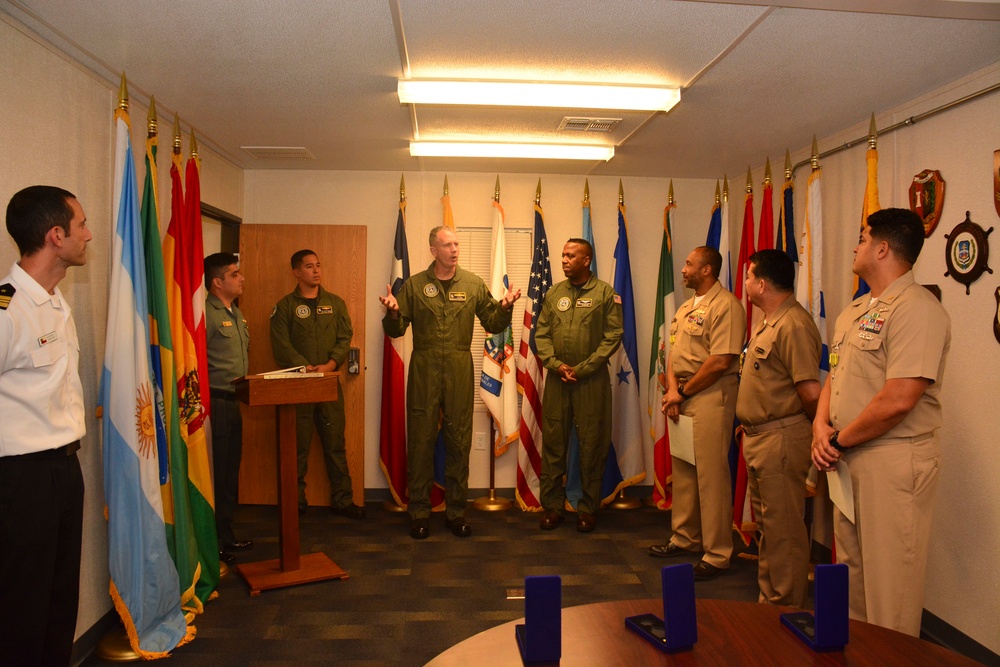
(480, 442)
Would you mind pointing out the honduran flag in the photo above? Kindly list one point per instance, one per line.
(144, 585)
(626, 463)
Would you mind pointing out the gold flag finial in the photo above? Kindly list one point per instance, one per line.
(749, 181)
(177, 134)
(814, 155)
(496, 190)
(670, 193)
(194, 145)
(586, 191)
(725, 188)
(445, 191)
(767, 171)
(872, 134)
(151, 118)
(621, 192)
(123, 94)
(402, 188)
(718, 193)
(538, 191)
(788, 165)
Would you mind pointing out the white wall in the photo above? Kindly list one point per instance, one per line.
(58, 130)
(963, 588)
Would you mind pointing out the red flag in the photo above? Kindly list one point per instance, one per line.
(765, 234)
(746, 249)
(392, 436)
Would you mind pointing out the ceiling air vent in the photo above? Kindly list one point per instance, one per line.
(580, 124)
(278, 152)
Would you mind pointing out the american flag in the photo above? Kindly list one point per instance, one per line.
(530, 376)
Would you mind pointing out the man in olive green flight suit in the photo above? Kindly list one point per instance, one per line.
(441, 303)
(578, 330)
(310, 327)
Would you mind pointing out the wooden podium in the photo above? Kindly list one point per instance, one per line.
(291, 568)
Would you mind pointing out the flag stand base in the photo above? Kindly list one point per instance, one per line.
(115, 647)
(392, 506)
(648, 501)
(623, 502)
(491, 503)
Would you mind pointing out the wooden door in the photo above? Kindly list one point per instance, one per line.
(265, 253)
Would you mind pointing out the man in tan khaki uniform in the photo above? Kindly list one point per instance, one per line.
(706, 338)
(879, 413)
(779, 387)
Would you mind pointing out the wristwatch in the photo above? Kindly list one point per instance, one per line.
(835, 444)
(680, 390)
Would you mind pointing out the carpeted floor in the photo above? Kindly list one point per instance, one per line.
(406, 601)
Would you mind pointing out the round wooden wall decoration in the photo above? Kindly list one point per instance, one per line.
(967, 252)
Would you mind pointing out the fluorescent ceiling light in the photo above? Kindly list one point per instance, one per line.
(484, 149)
(528, 94)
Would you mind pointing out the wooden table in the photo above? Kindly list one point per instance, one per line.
(291, 568)
(729, 633)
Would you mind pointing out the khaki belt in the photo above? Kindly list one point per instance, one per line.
(775, 424)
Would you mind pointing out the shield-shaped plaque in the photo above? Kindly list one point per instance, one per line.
(927, 198)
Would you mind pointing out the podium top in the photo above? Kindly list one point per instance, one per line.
(288, 388)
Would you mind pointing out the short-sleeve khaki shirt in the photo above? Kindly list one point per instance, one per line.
(717, 325)
(785, 350)
(906, 333)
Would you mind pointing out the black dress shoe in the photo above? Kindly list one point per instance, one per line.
(668, 550)
(238, 545)
(458, 527)
(420, 529)
(551, 520)
(226, 558)
(704, 571)
(351, 511)
(585, 522)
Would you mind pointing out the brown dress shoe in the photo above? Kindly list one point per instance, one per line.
(668, 550)
(585, 522)
(704, 571)
(551, 520)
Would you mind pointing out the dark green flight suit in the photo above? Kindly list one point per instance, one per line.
(304, 335)
(440, 378)
(580, 327)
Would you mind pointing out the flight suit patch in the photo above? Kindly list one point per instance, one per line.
(584, 303)
(618, 299)
(563, 304)
(431, 290)
(456, 296)
(324, 310)
(303, 311)
(6, 293)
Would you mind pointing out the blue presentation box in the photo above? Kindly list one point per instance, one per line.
(539, 638)
(678, 631)
(827, 629)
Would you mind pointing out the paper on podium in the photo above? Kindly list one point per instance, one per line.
(841, 490)
(682, 438)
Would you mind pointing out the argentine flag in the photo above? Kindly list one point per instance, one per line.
(144, 583)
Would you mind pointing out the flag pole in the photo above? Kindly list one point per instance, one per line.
(390, 504)
(490, 502)
(621, 501)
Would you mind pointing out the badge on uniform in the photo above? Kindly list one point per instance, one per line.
(6, 293)
(456, 296)
(697, 317)
(618, 300)
(563, 304)
(302, 311)
(324, 310)
(47, 338)
(227, 323)
(431, 290)
(584, 303)
(872, 323)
